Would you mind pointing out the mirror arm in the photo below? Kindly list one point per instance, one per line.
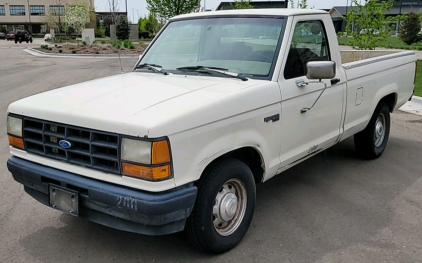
(308, 109)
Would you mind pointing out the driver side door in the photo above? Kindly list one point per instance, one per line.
(305, 133)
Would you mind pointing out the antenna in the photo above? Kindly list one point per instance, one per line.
(120, 60)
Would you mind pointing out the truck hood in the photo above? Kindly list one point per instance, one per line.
(113, 103)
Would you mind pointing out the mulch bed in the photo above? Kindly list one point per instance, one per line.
(94, 49)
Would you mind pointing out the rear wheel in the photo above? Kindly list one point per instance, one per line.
(224, 207)
(371, 142)
(30, 40)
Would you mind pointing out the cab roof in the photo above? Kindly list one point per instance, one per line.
(252, 12)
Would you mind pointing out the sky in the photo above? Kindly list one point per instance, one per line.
(138, 8)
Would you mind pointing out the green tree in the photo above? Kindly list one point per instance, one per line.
(122, 28)
(367, 24)
(409, 30)
(303, 4)
(141, 23)
(166, 9)
(243, 4)
(292, 3)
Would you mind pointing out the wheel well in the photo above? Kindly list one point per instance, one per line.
(250, 156)
(391, 101)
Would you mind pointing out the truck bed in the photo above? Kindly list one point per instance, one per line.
(356, 55)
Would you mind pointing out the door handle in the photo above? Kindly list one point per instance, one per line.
(335, 81)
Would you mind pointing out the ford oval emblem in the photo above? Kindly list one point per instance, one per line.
(65, 144)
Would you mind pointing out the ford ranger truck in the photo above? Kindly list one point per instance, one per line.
(218, 103)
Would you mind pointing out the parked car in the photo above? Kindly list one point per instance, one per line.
(10, 36)
(180, 143)
(23, 35)
(2, 35)
(143, 35)
(48, 37)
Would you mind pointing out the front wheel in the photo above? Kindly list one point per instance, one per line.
(30, 41)
(372, 141)
(224, 207)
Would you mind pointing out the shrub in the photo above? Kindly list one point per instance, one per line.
(100, 32)
(103, 42)
(409, 30)
(73, 51)
(127, 43)
(132, 47)
(60, 51)
(42, 46)
(55, 45)
(96, 52)
(84, 43)
(50, 49)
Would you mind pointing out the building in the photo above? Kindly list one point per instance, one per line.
(255, 4)
(29, 14)
(399, 7)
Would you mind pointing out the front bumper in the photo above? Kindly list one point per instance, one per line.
(108, 204)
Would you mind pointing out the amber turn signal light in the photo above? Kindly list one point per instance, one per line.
(160, 152)
(16, 142)
(148, 173)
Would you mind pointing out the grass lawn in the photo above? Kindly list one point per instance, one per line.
(418, 86)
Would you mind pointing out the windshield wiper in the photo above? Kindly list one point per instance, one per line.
(153, 67)
(214, 69)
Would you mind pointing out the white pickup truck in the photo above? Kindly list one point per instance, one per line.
(219, 102)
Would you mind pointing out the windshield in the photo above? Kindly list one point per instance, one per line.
(247, 46)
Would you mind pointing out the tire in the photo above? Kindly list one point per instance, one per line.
(30, 40)
(228, 183)
(27, 41)
(16, 41)
(372, 141)
(20, 41)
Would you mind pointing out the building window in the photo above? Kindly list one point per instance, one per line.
(17, 10)
(57, 10)
(37, 10)
(2, 11)
(18, 27)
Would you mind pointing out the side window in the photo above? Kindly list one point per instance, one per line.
(309, 43)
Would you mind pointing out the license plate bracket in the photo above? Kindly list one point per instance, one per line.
(64, 199)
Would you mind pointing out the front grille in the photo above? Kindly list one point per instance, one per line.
(89, 148)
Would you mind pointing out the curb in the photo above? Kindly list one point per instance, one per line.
(417, 99)
(38, 53)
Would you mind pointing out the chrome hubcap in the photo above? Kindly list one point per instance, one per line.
(379, 130)
(229, 207)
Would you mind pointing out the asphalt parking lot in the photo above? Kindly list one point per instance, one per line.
(333, 208)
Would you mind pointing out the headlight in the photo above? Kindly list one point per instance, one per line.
(136, 151)
(145, 159)
(14, 132)
(14, 126)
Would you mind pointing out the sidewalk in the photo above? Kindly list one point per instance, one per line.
(414, 106)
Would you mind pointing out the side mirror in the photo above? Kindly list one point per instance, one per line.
(321, 70)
